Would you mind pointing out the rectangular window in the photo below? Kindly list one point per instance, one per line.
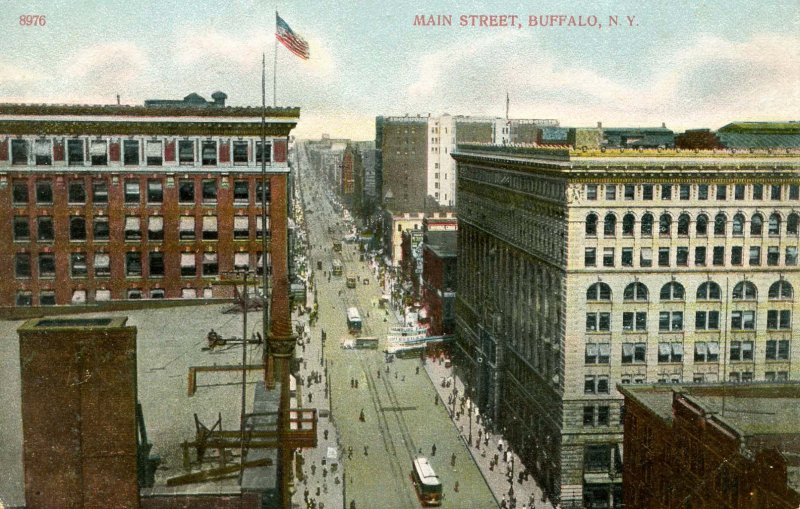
(685, 191)
(156, 263)
(133, 264)
(45, 230)
(741, 351)
(700, 255)
(682, 256)
(706, 352)
(663, 257)
(633, 352)
(77, 228)
(241, 261)
(133, 228)
(598, 322)
(738, 192)
(209, 191)
(186, 228)
(44, 192)
(102, 265)
(758, 191)
(666, 192)
(589, 257)
(101, 228)
(155, 191)
(590, 356)
(588, 415)
(22, 229)
(78, 266)
(188, 267)
(608, 257)
(778, 350)
(47, 298)
(210, 264)
(670, 352)
(98, 150)
(634, 321)
(265, 190)
(743, 320)
(647, 192)
(240, 152)
(706, 320)
(611, 192)
(241, 191)
(43, 152)
(47, 265)
(209, 153)
(20, 192)
(755, 255)
(702, 192)
(773, 255)
(186, 191)
(791, 256)
(19, 152)
(154, 152)
(719, 255)
(22, 265)
(241, 228)
(76, 192)
(155, 228)
(100, 192)
(736, 255)
(75, 150)
(24, 298)
(630, 191)
(186, 152)
(775, 192)
(627, 257)
(210, 228)
(779, 320)
(263, 154)
(722, 192)
(794, 192)
(603, 415)
(591, 192)
(132, 192)
(259, 228)
(670, 321)
(646, 257)
(130, 152)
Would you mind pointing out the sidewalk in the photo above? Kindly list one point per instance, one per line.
(497, 477)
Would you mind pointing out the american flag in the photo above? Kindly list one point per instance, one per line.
(291, 40)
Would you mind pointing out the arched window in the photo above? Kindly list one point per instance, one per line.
(591, 224)
(598, 291)
(756, 224)
(701, 227)
(628, 222)
(683, 224)
(647, 224)
(744, 290)
(781, 290)
(719, 224)
(672, 291)
(708, 291)
(635, 291)
(77, 228)
(610, 225)
(791, 223)
(775, 224)
(738, 224)
(664, 224)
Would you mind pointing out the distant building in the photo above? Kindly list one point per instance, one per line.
(760, 135)
(131, 202)
(582, 269)
(697, 139)
(439, 279)
(722, 446)
(638, 137)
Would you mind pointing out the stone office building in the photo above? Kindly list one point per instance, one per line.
(112, 202)
(580, 270)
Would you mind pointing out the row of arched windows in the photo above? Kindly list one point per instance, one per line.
(744, 290)
(718, 227)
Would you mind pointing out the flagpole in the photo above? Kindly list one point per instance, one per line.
(275, 68)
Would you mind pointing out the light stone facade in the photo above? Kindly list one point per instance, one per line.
(553, 312)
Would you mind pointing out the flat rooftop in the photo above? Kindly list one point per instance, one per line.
(169, 341)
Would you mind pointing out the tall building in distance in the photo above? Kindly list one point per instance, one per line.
(581, 269)
(112, 202)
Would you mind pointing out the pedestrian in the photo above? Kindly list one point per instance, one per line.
(324, 472)
(361, 416)
(433, 450)
(366, 452)
(379, 373)
(318, 490)
(356, 383)
(352, 383)
(310, 396)
(395, 375)
(496, 459)
(313, 469)
(326, 434)
(403, 378)
(349, 452)
(453, 460)
(455, 488)
(352, 504)
(436, 399)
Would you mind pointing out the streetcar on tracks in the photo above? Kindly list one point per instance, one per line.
(351, 281)
(426, 482)
(336, 268)
(353, 320)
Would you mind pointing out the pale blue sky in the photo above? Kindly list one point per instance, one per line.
(687, 63)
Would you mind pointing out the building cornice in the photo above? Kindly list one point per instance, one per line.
(143, 127)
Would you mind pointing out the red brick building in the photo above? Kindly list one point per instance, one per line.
(711, 446)
(128, 202)
(439, 276)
